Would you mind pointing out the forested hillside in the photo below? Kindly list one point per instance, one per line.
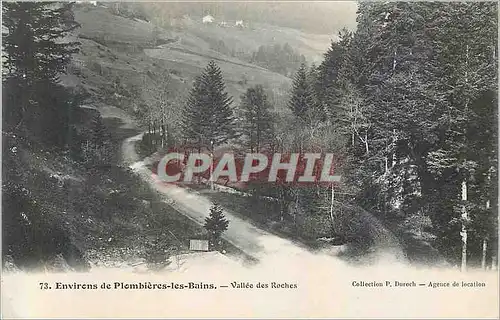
(415, 90)
(68, 203)
(315, 17)
(408, 103)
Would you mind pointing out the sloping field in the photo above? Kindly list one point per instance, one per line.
(99, 23)
(248, 39)
(237, 74)
(117, 47)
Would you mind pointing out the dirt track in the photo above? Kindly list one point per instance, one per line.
(241, 233)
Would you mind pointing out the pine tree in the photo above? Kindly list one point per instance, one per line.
(194, 117)
(318, 110)
(216, 224)
(99, 133)
(335, 73)
(34, 56)
(328, 70)
(330, 66)
(208, 117)
(424, 76)
(222, 124)
(314, 79)
(29, 41)
(302, 95)
(258, 119)
(467, 45)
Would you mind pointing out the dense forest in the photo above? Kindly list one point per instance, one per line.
(67, 200)
(409, 104)
(281, 59)
(37, 113)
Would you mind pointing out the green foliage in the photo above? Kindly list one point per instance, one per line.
(216, 224)
(156, 251)
(31, 52)
(36, 106)
(257, 125)
(414, 89)
(409, 101)
(277, 58)
(42, 114)
(302, 98)
(208, 116)
(130, 10)
(27, 237)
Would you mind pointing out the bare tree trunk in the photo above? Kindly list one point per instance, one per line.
(485, 242)
(483, 258)
(163, 133)
(463, 233)
(296, 207)
(332, 198)
(168, 136)
(393, 148)
(394, 61)
(464, 184)
(386, 158)
(283, 203)
(485, 239)
(211, 165)
(366, 142)
(251, 140)
(258, 134)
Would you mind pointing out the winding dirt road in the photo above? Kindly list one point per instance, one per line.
(325, 286)
(241, 233)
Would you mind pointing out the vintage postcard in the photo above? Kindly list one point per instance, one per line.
(249, 159)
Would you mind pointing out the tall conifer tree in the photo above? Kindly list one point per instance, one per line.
(208, 117)
(36, 51)
(258, 125)
(302, 98)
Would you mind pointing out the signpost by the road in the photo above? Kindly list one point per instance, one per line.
(198, 245)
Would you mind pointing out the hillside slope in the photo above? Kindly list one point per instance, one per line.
(253, 35)
(62, 214)
(123, 56)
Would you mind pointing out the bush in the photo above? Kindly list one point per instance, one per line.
(216, 224)
(29, 237)
(156, 252)
(96, 155)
